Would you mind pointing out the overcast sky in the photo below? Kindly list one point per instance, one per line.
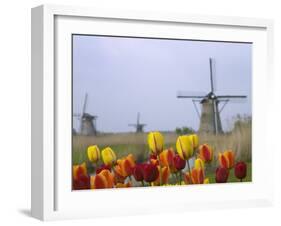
(123, 76)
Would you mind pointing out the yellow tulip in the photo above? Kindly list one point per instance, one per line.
(199, 164)
(195, 141)
(184, 146)
(206, 181)
(93, 153)
(155, 142)
(108, 156)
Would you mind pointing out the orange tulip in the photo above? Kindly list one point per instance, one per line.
(104, 179)
(206, 153)
(165, 172)
(126, 165)
(98, 182)
(197, 177)
(122, 185)
(226, 159)
(167, 158)
(186, 178)
(109, 177)
(81, 179)
(118, 178)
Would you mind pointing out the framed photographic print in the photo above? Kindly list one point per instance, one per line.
(148, 111)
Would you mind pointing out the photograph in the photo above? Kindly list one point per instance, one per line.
(150, 112)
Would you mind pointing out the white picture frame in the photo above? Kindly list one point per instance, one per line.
(51, 190)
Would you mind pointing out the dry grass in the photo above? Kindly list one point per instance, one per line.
(239, 140)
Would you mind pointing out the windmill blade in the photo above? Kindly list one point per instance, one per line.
(85, 103)
(231, 96)
(224, 104)
(195, 106)
(191, 94)
(138, 118)
(134, 125)
(211, 75)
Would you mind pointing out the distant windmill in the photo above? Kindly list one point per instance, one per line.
(139, 126)
(210, 121)
(87, 121)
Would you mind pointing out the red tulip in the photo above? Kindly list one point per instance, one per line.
(179, 163)
(102, 167)
(150, 172)
(240, 170)
(222, 175)
(138, 172)
(81, 179)
(206, 153)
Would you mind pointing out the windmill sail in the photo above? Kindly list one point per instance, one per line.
(210, 121)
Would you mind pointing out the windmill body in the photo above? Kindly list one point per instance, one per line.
(88, 126)
(207, 122)
(87, 121)
(210, 120)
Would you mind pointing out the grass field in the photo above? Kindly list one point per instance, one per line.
(239, 140)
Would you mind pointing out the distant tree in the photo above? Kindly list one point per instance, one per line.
(184, 130)
(178, 131)
(187, 130)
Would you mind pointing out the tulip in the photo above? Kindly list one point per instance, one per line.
(205, 153)
(199, 164)
(197, 176)
(126, 165)
(108, 156)
(118, 178)
(81, 179)
(226, 159)
(138, 172)
(184, 146)
(167, 158)
(240, 170)
(122, 185)
(165, 172)
(206, 181)
(93, 153)
(179, 163)
(155, 142)
(98, 182)
(104, 179)
(152, 156)
(101, 168)
(222, 174)
(150, 172)
(109, 177)
(195, 141)
(186, 178)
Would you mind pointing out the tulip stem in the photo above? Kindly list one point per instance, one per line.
(241, 180)
(188, 166)
(180, 177)
(160, 171)
(142, 183)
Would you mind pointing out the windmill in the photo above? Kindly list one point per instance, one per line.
(210, 121)
(87, 121)
(139, 126)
